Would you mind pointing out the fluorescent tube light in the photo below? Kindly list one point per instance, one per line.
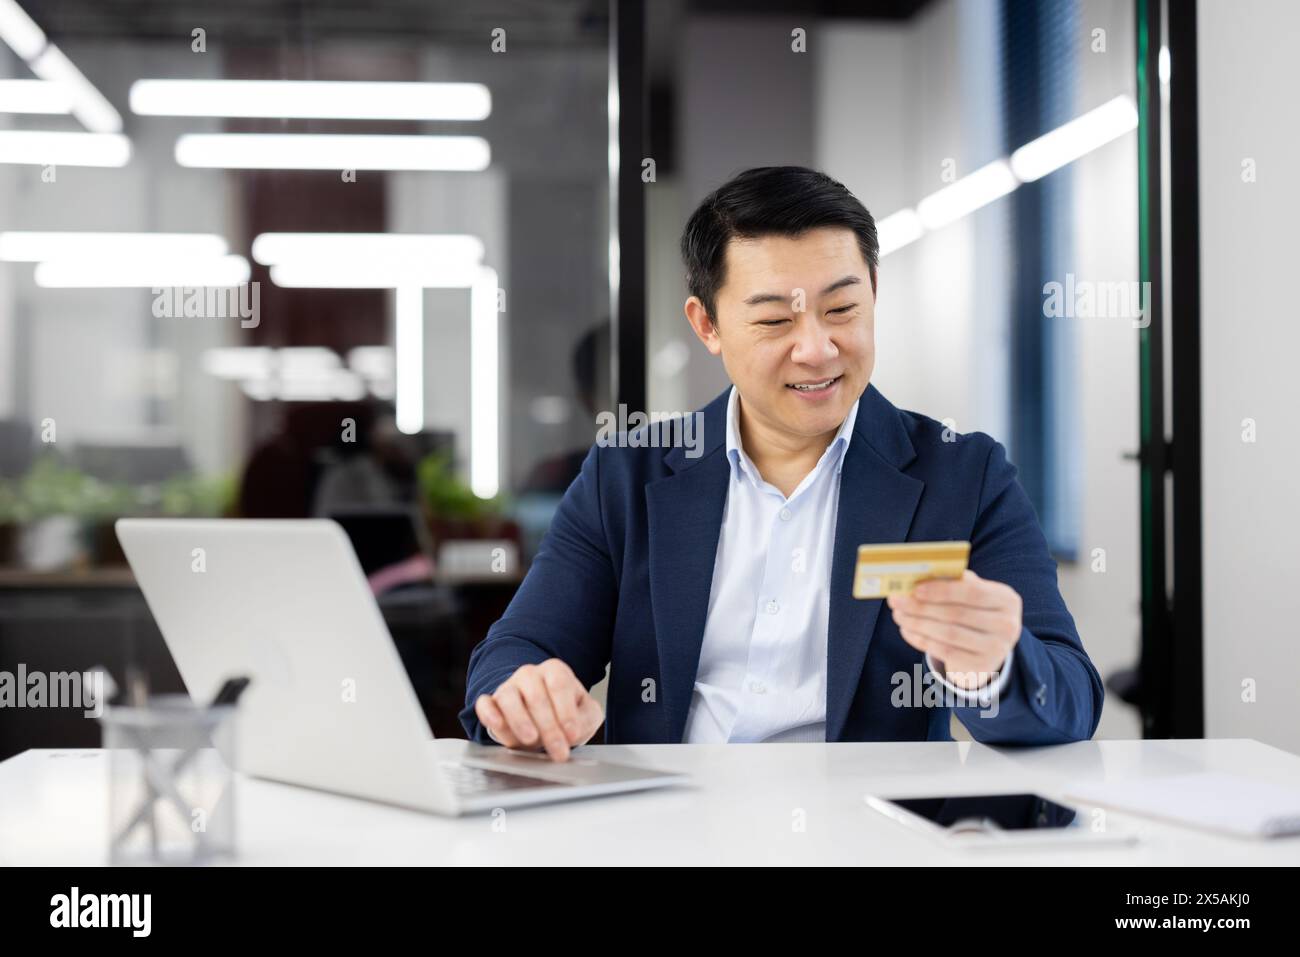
(43, 148)
(897, 230)
(407, 250)
(312, 99)
(88, 104)
(239, 362)
(20, 31)
(484, 383)
(1077, 138)
(301, 274)
(966, 195)
(332, 151)
(21, 246)
(220, 272)
(34, 96)
(410, 359)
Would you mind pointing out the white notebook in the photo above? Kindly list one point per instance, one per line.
(1217, 802)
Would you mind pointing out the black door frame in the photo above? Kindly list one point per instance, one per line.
(627, 292)
(1172, 693)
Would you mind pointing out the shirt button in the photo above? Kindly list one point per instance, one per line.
(758, 687)
(772, 607)
(785, 515)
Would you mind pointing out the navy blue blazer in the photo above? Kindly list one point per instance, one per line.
(623, 578)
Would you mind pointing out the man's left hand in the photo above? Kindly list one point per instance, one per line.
(968, 625)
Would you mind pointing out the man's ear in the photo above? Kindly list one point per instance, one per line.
(702, 325)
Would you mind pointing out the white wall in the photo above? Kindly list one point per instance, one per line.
(1249, 342)
(672, 351)
(1107, 605)
(897, 105)
(746, 99)
(893, 103)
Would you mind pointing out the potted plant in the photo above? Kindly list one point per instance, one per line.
(12, 515)
(56, 516)
(473, 537)
(181, 496)
(50, 499)
(452, 508)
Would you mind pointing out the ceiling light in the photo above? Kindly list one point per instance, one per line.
(1080, 136)
(312, 99)
(223, 271)
(332, 151)
(34, 96)
(966, 195)
(22, 246)
(42, 148)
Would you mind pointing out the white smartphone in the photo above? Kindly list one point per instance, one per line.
(985, 821)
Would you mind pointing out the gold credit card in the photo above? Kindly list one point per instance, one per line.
(897, 569)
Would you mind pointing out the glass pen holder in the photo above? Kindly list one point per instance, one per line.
(171, 783)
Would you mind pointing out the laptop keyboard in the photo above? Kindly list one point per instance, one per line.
(469, 781)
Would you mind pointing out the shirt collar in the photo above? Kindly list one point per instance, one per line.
(740, 462)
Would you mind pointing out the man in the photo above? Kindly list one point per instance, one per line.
(716, 582)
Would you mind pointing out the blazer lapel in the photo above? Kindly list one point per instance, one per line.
(877, 502)
(684, 512)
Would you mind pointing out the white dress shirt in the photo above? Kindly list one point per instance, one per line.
(762, 670)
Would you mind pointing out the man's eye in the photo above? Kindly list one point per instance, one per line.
(772, 322)
(843, 309)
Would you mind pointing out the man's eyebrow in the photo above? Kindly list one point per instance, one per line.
(841, 283)
(760, 298)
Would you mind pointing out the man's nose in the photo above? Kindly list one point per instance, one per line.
(813, 344)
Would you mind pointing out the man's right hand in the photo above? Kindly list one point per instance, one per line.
(541, 706)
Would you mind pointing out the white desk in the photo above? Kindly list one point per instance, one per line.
(53, 809)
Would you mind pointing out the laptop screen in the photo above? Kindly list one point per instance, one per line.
(381, 537)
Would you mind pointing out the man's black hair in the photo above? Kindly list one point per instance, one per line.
(768, 201)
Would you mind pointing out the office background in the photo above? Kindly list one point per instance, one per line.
(476, 417)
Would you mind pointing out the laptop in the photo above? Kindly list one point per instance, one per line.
(286, 603)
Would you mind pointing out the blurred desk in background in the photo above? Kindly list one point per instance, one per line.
(71, 621)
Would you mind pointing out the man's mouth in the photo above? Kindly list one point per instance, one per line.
(817, 385)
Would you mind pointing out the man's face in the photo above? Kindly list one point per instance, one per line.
(795, 328)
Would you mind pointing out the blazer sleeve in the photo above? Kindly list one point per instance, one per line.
(563, 609)
(1054, 694)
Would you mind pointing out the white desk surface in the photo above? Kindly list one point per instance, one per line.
(739, 810)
